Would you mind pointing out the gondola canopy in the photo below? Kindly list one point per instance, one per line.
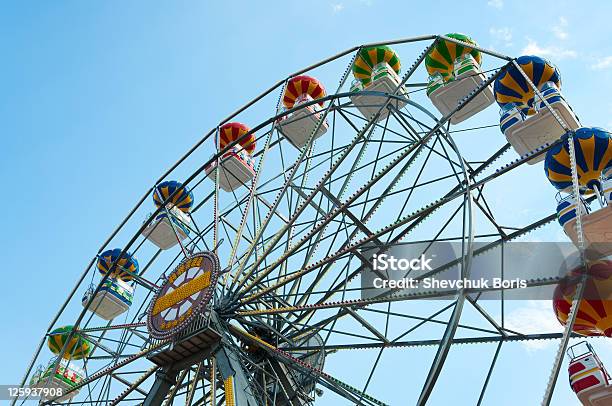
(512, 87)
(125, 267)
(594, 316)
(368, 57)
(182, 200)
(593, 147)
(231, 132)
(77, 348)
(302, 85)
(441, 58)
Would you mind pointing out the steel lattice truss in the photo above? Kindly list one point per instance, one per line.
(290, 301)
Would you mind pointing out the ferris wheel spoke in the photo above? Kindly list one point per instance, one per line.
(483, 204)
(334, 290)
(97, 341)
(482, 167)
(336, 287)
(89, 389)
(341, 158)
(254, 320)
(379, 201)
(449, 333)
(298, 201)
(304, 297)
(489, 339)
(324, 379)
(430, 319)
(252, 194)
(339, 288)
(335, 202)
(285, 381)
(349, 248)
(133, 386)
(416, 180)
(176, 387)
(298, 329)
(304, 227)
(490, 319)
(367, 383)
(489, 216)
(348, 114)
(359, 304)
(127, 383)
(270, 246)
(226, 223)
(404, 119)
(336, 211)
(289, 178)
(282, 280)
(375, 167)
(455, 167)
(416, 187)
(402, 234)
(193, 384)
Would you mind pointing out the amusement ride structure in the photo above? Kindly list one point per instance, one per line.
(242, 286)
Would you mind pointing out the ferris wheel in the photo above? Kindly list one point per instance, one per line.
(244, 285)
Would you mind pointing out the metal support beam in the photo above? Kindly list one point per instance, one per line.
(164, 380)
(230, 367)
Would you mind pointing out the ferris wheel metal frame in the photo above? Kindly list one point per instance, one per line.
(249, 283)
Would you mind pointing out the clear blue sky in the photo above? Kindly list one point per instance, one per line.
(97, 99)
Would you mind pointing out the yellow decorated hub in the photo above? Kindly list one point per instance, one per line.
(184, 295)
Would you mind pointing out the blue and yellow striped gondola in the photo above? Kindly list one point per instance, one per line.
(593, 147)
(183, 200)
(511, 87)
(77, 348)
(170, 225)
(125, 268)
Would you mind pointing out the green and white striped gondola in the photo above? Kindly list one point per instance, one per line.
(454, 72)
